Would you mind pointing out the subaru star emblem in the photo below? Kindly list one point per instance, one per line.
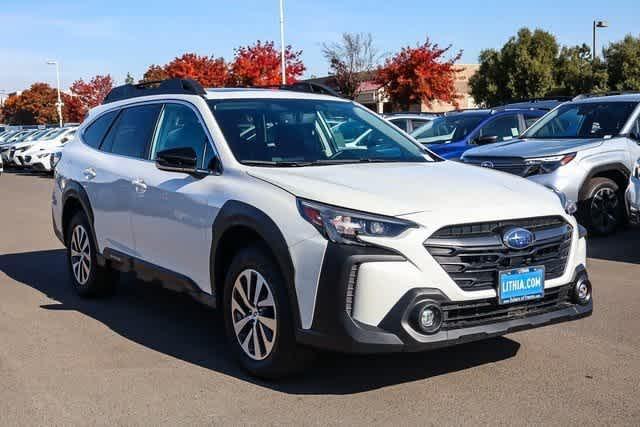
(487, 165)
(518, 238)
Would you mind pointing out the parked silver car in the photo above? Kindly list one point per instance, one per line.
(585, 149)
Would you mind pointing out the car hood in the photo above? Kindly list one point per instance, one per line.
(532, 147)
(396, 189)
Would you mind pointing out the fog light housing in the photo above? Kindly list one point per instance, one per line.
(582, 291)
(428, 318)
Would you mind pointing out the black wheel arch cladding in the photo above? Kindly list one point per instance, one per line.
(74, 194)
(235, 216)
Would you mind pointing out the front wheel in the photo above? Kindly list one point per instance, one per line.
(601, 207)
(258, 317)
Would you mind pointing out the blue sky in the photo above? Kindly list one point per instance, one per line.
(97, 37)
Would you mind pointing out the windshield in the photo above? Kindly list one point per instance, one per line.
(583, 120)
(298, 132)
(447, 129)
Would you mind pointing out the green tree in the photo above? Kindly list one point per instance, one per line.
(129, 80)
(576, 72)
(623, 63)
(522, 69)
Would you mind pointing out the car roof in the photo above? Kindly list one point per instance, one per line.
(423, 116)
(623, 97)
(258, 93)
(219, 94)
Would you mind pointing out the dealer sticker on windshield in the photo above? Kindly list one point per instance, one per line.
(522, 284)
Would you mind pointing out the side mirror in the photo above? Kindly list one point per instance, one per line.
(489, 139)
(183, 159)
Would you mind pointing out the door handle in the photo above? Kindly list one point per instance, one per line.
(89, 173)
(139, 185)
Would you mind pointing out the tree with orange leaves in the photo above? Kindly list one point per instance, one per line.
(420, 74)
(259, 65)
(36, 105)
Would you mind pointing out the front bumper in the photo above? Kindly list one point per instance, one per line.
(335, 328)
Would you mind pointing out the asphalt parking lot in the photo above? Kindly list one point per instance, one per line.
(148, 357)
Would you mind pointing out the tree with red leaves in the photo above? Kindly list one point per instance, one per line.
(90, 94)
(420, 74)
(259, 65)
(207, 70)
(73, 110)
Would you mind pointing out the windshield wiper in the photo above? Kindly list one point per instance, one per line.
(275, 163)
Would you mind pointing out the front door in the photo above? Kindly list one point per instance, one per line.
(172, 220)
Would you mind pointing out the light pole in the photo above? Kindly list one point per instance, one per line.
(283, 69)
(59, 103)
(597, 24)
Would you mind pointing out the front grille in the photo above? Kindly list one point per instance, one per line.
(475, 313)
(474, 254)
(512, 165)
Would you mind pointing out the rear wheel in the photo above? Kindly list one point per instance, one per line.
(601, 208)
(258, 317)
(87, 277)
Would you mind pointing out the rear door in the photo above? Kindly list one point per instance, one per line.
(171, 217)
(109, 174)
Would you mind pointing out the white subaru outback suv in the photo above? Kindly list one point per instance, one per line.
(250, 201)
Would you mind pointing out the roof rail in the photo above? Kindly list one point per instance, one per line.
(160, 87)
(612, 93)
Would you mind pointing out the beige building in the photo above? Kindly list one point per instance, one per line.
(374, 96)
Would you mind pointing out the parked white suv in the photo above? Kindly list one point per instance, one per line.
(38, 156)
(249, 201)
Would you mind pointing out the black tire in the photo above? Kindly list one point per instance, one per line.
(285, 357)
(95, 280)
(601, 208)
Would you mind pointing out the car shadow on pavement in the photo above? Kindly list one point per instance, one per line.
(623, 246)
(180, 327)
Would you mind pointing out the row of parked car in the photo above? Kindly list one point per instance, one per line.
(586, 148)
(35, 149)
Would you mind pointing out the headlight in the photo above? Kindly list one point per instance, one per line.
(43, 155)
(569, 206)
(550, 163)
(346, 226)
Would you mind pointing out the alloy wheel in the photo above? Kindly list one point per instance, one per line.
(253, 314)
(604, 209)
(80, 255)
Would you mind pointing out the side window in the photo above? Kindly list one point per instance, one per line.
(635, 131)
(180, 128)
(131, 133)
(505, 127)
(94, 134)
(401, 123)
(530, 119)
(415, 124)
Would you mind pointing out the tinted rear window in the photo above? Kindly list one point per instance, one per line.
(131, 133)
(94, 134)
